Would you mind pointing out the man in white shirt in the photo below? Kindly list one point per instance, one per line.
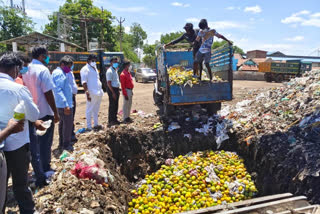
(113, 84)
(12, 127)
(16, 146)
(93, 88)
(39, 82)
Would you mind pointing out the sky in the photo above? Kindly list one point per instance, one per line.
(289, 26)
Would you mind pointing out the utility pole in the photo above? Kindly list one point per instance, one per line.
(58, 25)
(120, 22)
(23, 7)
(86, 32)
(11, 3)
(102, 31)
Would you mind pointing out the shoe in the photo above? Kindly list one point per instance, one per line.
(69, 148)
(74, 139)
(98, 127)
(128, 120)
(113, 123)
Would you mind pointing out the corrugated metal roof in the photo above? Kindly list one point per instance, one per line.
(286, 58)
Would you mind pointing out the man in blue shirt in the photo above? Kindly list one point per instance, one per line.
(63, 97)
(204, 53)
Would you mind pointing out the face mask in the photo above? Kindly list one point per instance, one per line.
(115, 65)
(47, 60)
(93, 64)
(66, 69)
(72, 67)
(24, 70)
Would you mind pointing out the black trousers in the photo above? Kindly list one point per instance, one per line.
(18, 164)
(113, 105)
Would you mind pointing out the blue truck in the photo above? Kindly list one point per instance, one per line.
(208, 94)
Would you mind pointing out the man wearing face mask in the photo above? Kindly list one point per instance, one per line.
(16, 146)
(64, 103)
(39, 82)
(93, 88)
(113, 92)
(26, 61)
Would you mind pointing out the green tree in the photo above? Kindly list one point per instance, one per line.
(236, 49)
(150, 58)
(166, 38)
(137, 35)
(76, 14)
(13, 23)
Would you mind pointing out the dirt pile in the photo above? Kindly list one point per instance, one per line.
(69, 194)
(278, 133)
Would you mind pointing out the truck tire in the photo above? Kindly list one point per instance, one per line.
(279, 78)
(213, 108)
(167, 109)
(268, 77)
(157, 98)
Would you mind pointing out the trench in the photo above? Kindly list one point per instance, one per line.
(141, 153)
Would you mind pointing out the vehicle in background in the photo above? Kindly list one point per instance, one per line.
(80, 59)
(208, 94)
(280, 71)
(145, 75)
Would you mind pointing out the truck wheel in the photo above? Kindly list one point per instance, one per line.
(279, 78)
(268, 77)
(167, 109)
(157, 98)
(213, 108)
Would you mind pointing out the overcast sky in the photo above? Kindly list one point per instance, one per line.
(291, 26)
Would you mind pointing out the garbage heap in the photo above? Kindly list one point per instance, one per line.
(279, 131)
(86, 181)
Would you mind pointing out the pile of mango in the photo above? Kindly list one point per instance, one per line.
(179, 76)
(194, 181)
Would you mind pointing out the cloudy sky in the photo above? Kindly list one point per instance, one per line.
(291, 26)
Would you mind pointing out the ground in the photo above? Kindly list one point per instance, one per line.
(143, 101)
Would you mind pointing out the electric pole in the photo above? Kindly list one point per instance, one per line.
(58, 25)
(11, 3)
(23, 7)
(120, 22)
(102, 31)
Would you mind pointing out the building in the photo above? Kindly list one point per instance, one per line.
(279, 56)
(250, 63)
(256, 54)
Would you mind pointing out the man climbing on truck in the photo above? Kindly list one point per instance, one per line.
(205, 36)
(190, 35)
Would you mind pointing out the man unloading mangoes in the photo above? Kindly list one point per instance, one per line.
(205, 36)
(190, 35)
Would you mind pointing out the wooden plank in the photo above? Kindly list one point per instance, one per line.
(240, 203)
(314, 209)
(289, 202)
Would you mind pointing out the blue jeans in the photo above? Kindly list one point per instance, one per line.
(45, 142)
(35, 156)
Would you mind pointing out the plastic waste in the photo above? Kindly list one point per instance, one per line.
(19, 111)
(64, 155)
(46, 125)
(173, 126)
(80, 131)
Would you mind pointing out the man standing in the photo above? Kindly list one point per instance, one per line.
(16, 146)
(93, 89)
(190, 35)
(39, 82)
(63, 97)
(74, 87)
(113, 92)
(12, 127)
(127, 87)
(204, 53)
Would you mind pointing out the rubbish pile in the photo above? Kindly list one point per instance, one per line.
(194, 181)
(279, 131)
(86, 181)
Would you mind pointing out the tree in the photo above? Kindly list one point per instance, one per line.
(166, 38)
(150, 57)
(78, 14)
(137, 35)
(236, 49)
(13, 23)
